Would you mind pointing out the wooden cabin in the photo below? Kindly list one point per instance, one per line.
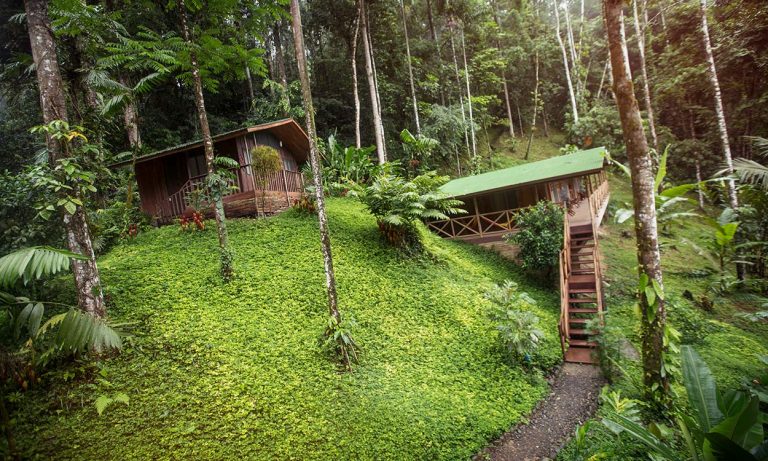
(166, 178)
(492, 199)
(578, 181)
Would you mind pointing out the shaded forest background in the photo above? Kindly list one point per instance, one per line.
(250, 71)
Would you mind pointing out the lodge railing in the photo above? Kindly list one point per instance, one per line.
(564, 260)
(475, 225)
(281, 181)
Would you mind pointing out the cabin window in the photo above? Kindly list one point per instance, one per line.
(196, 165)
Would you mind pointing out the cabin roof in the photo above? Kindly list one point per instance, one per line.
(575, 164)
(286, 130)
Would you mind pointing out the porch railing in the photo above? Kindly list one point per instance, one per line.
(479, 225)
(280, 181)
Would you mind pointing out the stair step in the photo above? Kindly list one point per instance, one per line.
(582, 310)
(581, 343)
(580, 321)
(582, 300)
(587, 271)
(581, 332)
(579, 355)
(581, 290)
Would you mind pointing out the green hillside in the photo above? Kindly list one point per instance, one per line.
(233, 371)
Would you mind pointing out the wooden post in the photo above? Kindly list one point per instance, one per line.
(285, 186)
(477, 216)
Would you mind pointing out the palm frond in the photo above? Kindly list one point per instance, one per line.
(32, 263)
(82, 332)
(752, 172)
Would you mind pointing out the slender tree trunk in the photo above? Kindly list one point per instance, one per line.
(575, 63)
(314, 160)
(535, 102)
(699, 192)
(602, 78)
(643, 192)
(646, 84)
(721, 126)
(376, 80)
(249, 85)
(544, 119)
(279, 55)
(520, 119)
(431, 23)
(469, 97)
(410, 70)
(581, 28)
(355, 90)
(377, 126)
(504, 84)
(131, 121)
(205, 130)
(90, 297)
(565, 64)
(461, 95)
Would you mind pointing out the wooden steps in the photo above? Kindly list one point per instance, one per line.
(582, 299)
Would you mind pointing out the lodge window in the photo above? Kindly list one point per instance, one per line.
(196, 165)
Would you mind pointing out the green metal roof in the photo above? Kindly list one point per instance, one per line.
(575, 164)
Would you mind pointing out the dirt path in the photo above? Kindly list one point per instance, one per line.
(572, 400)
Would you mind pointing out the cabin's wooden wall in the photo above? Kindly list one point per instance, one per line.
(150, 177)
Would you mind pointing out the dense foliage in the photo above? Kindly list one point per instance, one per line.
(539, 235)
(398, 204)
(220, 370)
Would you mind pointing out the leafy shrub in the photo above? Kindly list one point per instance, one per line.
(539, 236)
(337, 338)
(307, 203)
(598, 127)
(398, 204)
(518, 329)
(343, 165)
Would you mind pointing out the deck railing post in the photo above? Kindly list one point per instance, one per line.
(285, 186)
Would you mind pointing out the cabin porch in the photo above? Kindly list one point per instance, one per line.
(491, 215)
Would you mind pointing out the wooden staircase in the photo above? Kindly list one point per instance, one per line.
(580, 288)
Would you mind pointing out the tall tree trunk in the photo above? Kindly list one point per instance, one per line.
(377, 126)
(643, 192)
(574, 108)
(575, 63)
(314, 160)
(249, 85)
(355, 90)
(205, 130)
(131, 121)
(646, 85)
(410, 70)
(431, 23)
(535, 102)
(469, 96)
(375, 80)
(602, 79)
(279, 55)
(461, 95)
(721, 126)
(699, 192)
(504, 84)
(90, 297)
